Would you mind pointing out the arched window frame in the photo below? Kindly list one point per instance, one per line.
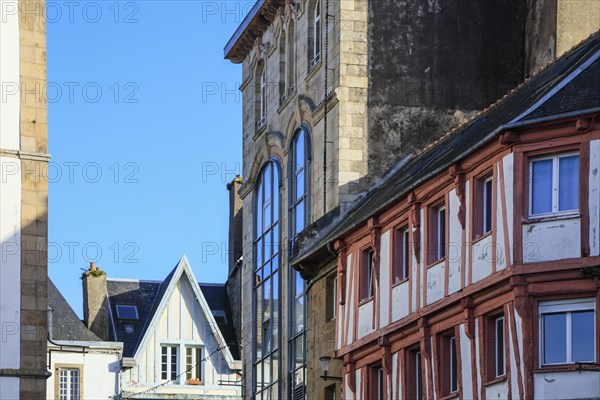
(296, 287)
(315, 31)
(266, 351)
(260, 79)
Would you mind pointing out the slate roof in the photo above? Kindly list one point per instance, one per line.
(217, 299)
(65, 324)
(582, 93)
(147, 295)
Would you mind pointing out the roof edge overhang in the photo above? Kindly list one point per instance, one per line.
(252, 27)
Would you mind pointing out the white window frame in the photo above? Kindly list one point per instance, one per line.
(169, 364)
(263, 96)
(370, 274)
(497, 349)
(405, 252)
(195, 363)
(568, 307)
(64, 391)
(418, 376)
(555, 184)
(316, 55)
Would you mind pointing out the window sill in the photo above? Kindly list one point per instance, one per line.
(399, 283)
(553, 217)
(365, 301)
(312, 71)
(260, 130)
(434, 263)
(569, 367)
(497, 379)
(482, 237)
(453, 395)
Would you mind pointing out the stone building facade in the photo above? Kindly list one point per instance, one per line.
(361, 84)
(23, 201)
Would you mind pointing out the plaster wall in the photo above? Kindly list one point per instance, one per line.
(552, 240)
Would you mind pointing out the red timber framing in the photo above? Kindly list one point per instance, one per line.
(515, 291)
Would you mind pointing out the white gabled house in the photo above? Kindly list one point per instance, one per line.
(178, 335)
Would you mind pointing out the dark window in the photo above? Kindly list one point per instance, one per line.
(127, 312)
(367, 266)
(414, 375)
(437, 233)
(330, 393)
(484, 192)
(376, 384)
(448, 364)
(331, 299)
(401, 255)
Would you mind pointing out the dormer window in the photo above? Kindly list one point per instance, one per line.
(220, 316)
(127, 312)
(129, 329)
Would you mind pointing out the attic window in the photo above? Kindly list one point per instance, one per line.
(220, 316)
(129, 329)
(127, 312)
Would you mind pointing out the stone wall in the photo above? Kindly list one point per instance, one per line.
(34, 214)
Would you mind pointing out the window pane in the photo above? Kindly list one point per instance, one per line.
(299, 217)
(555, 338)
(541, 187)
(299, 156)
(299, 185)
(299, 283)
(259, 253)
(442, 233)
(275, 365)
(275, 311)
(499, 347)
(568, 178)
(487, 217)
(299, 314)
(582, 325)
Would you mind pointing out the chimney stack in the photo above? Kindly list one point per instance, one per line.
(235, 222)
(95, 304)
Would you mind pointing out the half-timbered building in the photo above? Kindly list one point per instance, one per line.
(472, 271)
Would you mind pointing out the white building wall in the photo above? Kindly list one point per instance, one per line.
(455, 240)
(100, 372)
(384, 282)
(435, 282)
(567, 385)
(10, 200)
(552, 240)
(482, 258)
(465, 357)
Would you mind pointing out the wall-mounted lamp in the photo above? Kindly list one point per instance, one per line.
(324, 360)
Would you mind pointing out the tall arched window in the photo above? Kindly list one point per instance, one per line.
(266, 302)
(282, 69)
(299, 212)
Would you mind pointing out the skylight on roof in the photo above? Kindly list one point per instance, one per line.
(127, 312)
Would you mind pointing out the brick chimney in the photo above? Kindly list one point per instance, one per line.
(95, 304)
(235, 222)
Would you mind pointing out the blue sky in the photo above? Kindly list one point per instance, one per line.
(145, 132)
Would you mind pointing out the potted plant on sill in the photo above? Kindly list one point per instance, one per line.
(193, 381)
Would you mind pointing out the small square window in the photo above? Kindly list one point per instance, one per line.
(367, 284)
(127, 312)
(129, 329)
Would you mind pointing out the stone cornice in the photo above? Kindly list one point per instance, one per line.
(25, 155)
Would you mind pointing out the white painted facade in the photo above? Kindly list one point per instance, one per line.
(184, 320)
(10, 201)
(99, 365)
